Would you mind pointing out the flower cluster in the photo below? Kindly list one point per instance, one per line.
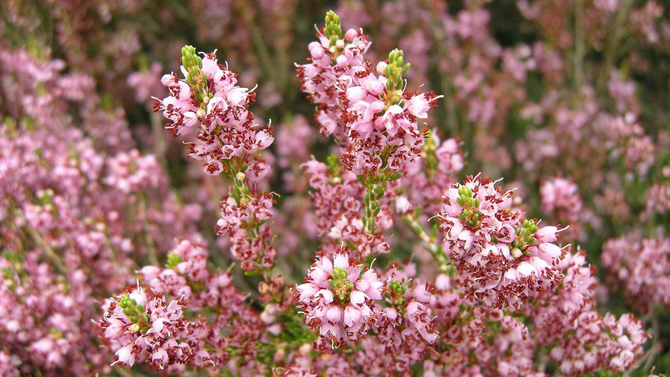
(42, 320)
(209, 101)
(427, 177)
(657, 201)
(8, 365)
(237, 216)
(384, 133)
(147, 328)
(641, 268)
(335, 61)
(508, 354)
(583, 341)
(463, 283)
(186, 276)
(131, 172)
(502, 258)
(405, 327)
(337, 298)
(561, 195)
(372, 116)
(340, 210)
(78, 213)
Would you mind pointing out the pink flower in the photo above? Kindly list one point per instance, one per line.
(125, 355)
(418, 106)
(336, 298)
(263, 139)
(402, 205)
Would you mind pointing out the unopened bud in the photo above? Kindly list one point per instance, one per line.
(263, 287)
(381, 68)
(279, 355)
(240, 176)
(305, 349)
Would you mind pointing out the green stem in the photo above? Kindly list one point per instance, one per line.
(159, 147)
(579, 45)
(430, 244)
(612, 47)
(49, 251)
(371, 207)
(242, 196)
(148, 239)
(450, 108)
(257, 40)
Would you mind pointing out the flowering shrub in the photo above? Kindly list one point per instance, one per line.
(365, 242)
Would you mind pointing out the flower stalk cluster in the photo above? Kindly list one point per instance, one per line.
(418, 272)
(208, 100)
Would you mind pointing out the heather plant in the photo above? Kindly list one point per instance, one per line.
(333, 216)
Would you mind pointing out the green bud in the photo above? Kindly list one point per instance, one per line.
(333, 31)
(173, 260)
(193, 72)
(333, 161)
(189, 56)
(393, 55)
